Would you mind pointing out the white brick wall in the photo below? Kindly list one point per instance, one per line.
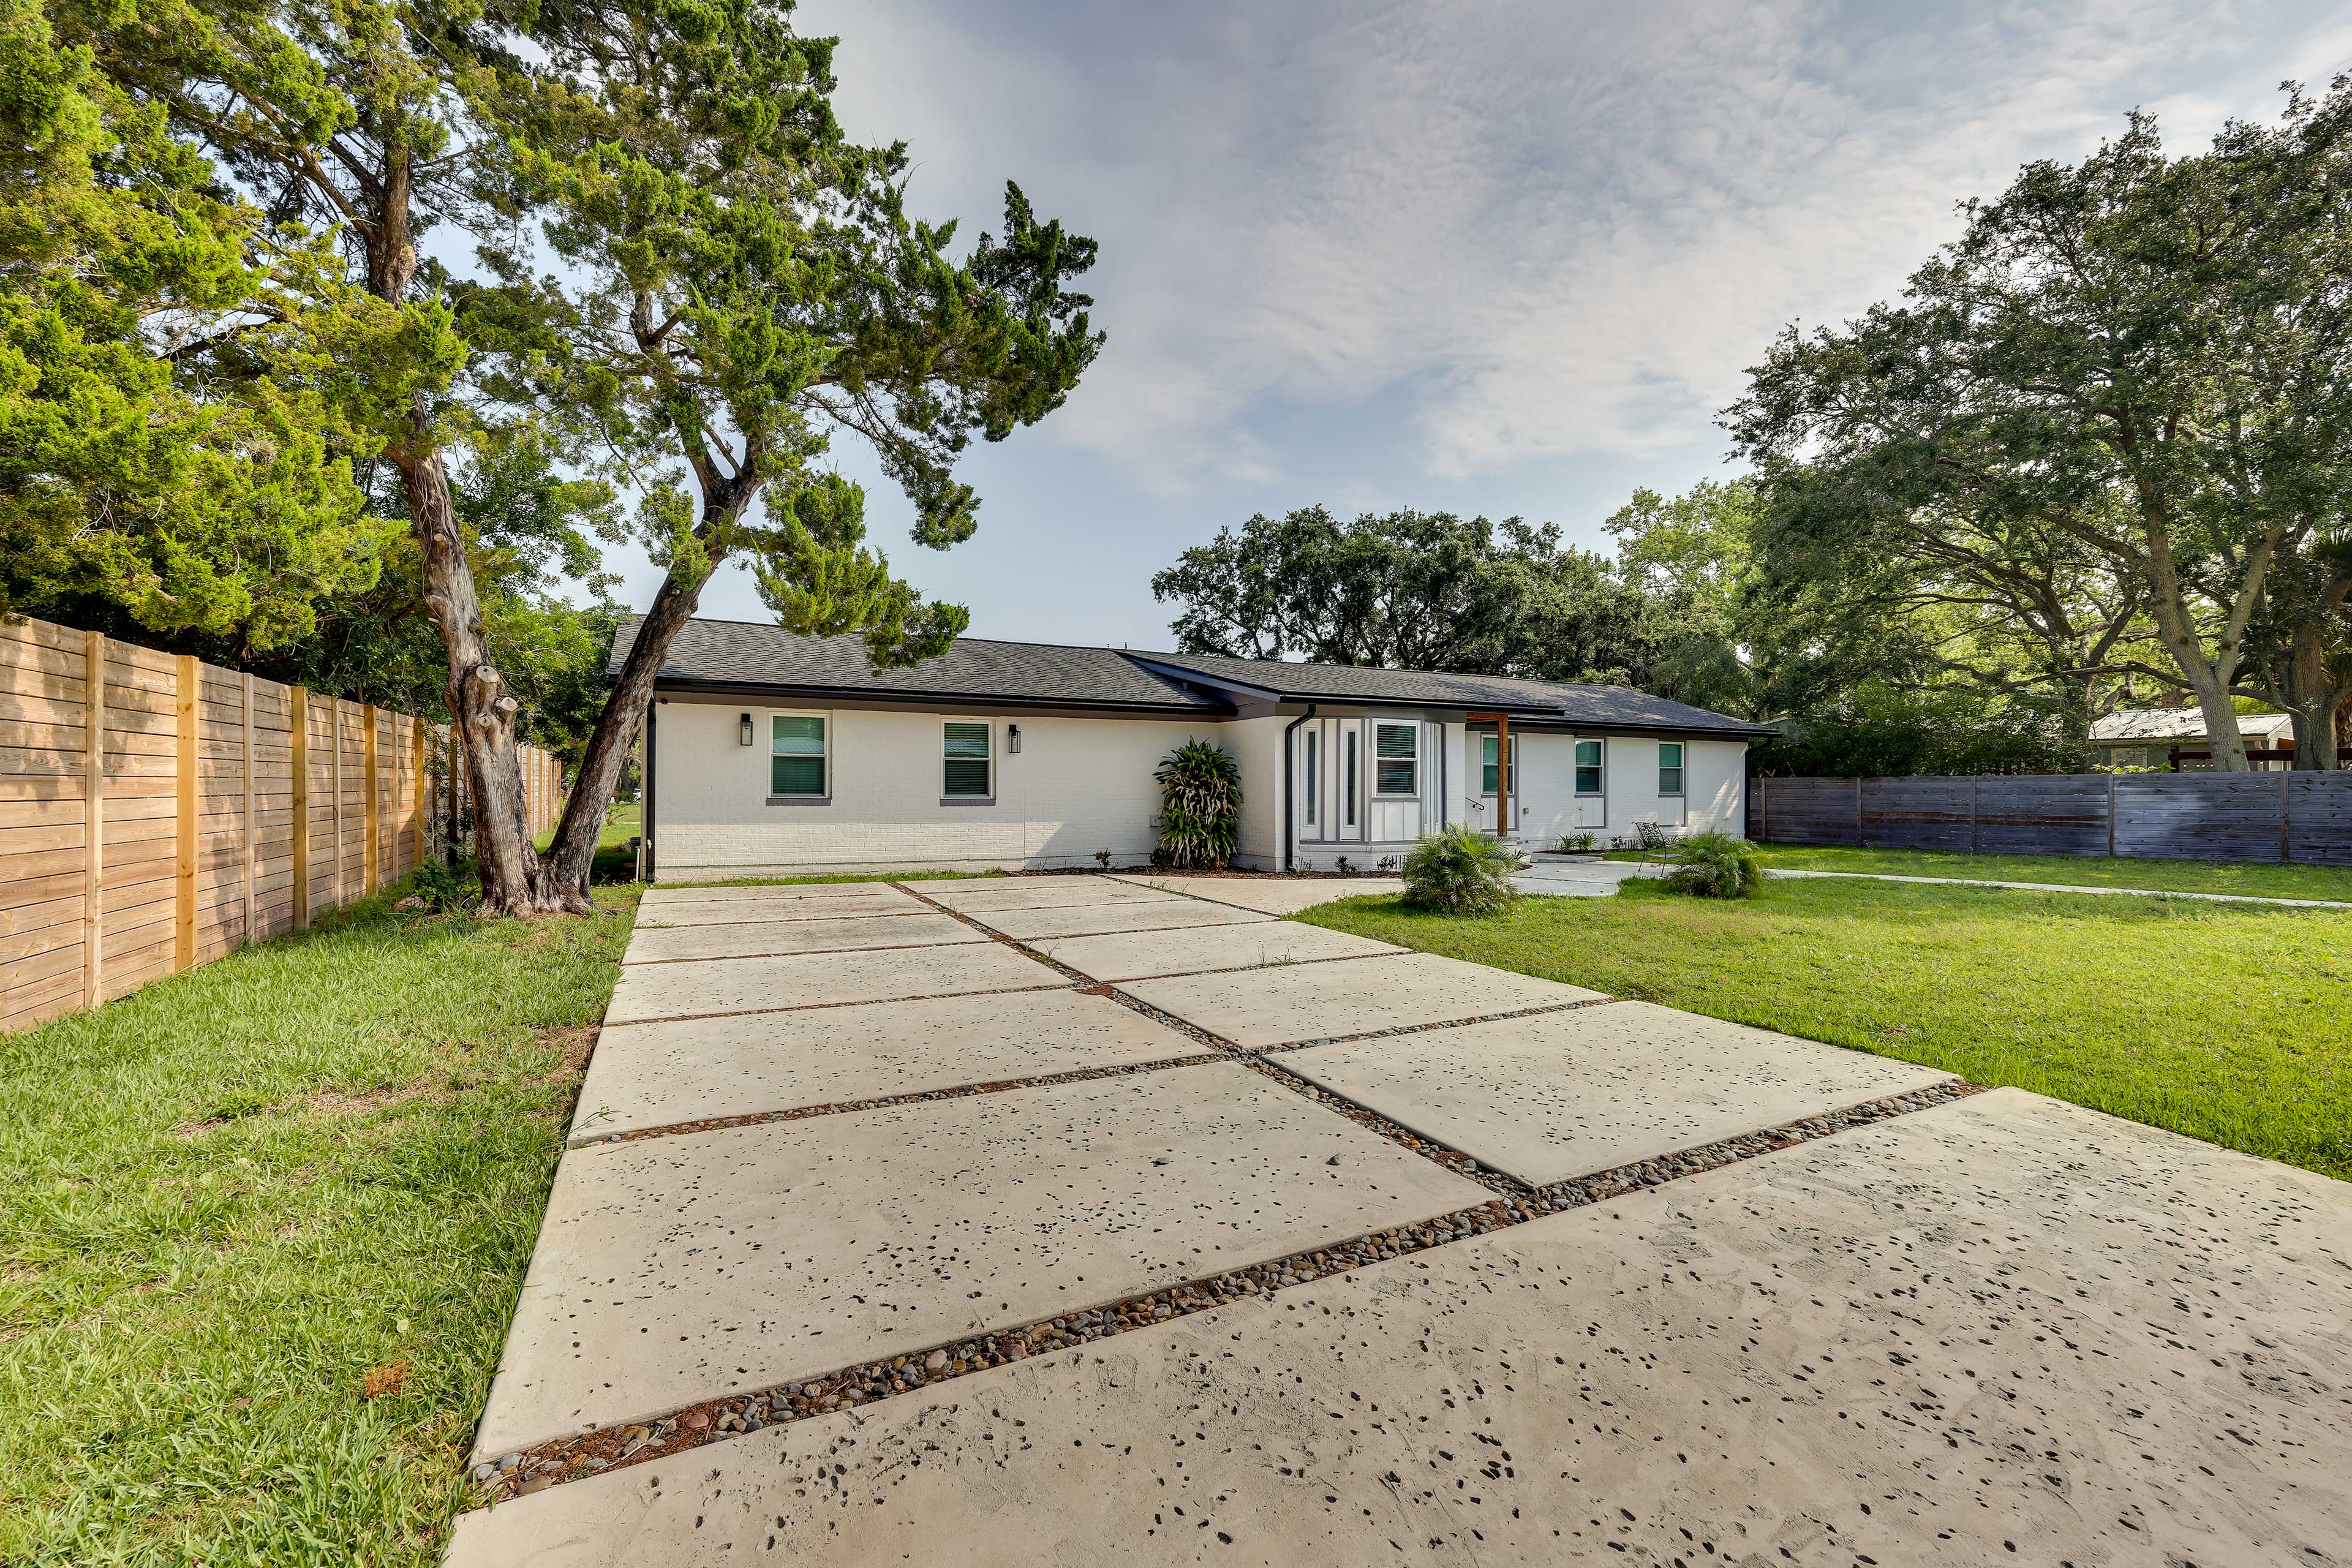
(1077, 785)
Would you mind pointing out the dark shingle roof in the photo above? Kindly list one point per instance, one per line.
(744, 653)
(1612, 706)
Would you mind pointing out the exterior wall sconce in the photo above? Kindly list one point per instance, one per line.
(743, 729)
(1011, 738)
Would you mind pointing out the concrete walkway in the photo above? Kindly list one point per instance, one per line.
(2072, 888)
(1177, 1232)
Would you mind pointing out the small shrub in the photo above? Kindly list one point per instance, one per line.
(1102, 858)
(1715, 864)
(1345, 867)
(1575, 844)
(1386, 866)
(1199, 808)
(1461, 871)
(441, 888)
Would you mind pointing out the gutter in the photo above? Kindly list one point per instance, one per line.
(1289, 814)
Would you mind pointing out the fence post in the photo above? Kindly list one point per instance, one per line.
(252, 820)
(371, 840)
(1860, 840)
(420, 813)
(1976, 787)
(93, 805)
(183, 870)
(297, 699)
(335, 707)
(2110, 814)
(2286, 818)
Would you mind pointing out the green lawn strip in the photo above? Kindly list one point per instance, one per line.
(2254, 879)
(2224, 1022)
(227, 1199)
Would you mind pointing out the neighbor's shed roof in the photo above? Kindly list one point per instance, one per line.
(2182, 724)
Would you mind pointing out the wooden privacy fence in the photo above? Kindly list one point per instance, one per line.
(2290, 816)
(188, 809)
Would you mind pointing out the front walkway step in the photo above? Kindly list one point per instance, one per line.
(2004, 1329)
(680, 1268)
(1565, 1094)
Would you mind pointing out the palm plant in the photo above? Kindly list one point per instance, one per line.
(1199, 808)
(1715, 864)
(1461, 871)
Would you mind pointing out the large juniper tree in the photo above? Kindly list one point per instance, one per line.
(745, 283)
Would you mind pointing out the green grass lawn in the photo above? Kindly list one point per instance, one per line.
(2229, 1023)
(261, 1229)
(2268, 882)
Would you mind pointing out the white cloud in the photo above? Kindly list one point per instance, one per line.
(1547, 228)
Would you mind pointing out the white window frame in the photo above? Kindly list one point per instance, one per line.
(1599, 789)
(823, 796)
(1681, 770)
(1410, 727)
(989, 797)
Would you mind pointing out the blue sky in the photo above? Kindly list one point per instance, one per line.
(1489, 258)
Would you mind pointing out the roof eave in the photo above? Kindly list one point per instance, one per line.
(956, 698)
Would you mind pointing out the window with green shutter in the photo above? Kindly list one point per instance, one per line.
(967, 762)
(1396, 759)
(796, 755)
(1670, 767)
(1588, 767)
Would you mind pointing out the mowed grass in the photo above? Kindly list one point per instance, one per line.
(2229, 1023)
(261, 1229)
(2258, 879)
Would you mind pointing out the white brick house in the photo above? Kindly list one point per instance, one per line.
(770, 753)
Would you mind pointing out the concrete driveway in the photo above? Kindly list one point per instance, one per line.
(1087, 1220)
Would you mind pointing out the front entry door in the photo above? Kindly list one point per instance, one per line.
(1331, 764)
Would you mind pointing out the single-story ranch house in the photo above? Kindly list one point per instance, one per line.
(769, 752)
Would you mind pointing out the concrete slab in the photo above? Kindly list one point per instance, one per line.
(681, 1269)
(658, 1075)
(1575, 880)
(760, 939)
(1259, 1008)
(1094, 919)
(1134, 955)
(1567, 1094)
(740, 912)
(2004, 1330)
(775, 890)
(1041, 893)
(820, 979)
(1270, 895)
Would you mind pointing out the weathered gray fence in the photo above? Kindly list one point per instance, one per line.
(2294, 816)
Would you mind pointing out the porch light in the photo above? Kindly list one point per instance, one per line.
(1012, 737)
(743, 729)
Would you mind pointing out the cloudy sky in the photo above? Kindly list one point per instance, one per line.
(1499, 258)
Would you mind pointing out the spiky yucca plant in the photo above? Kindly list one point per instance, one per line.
(1199, 808)
(1715, 864)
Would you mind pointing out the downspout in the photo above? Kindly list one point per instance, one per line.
(646, 826)
(1289, 813)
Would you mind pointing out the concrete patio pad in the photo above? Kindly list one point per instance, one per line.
(1037, 893)
(1134, 955)
(841, 934)
(1567, 1094)
(881, 890)
(658, 1075)
(1092, 920)
(1269, 895)
(738, 911)
(2004, 1330)
(1259, 1008)
(680, 1268)
(820, 979)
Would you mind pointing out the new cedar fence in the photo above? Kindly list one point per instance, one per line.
(191, 809)
(2303, 817)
